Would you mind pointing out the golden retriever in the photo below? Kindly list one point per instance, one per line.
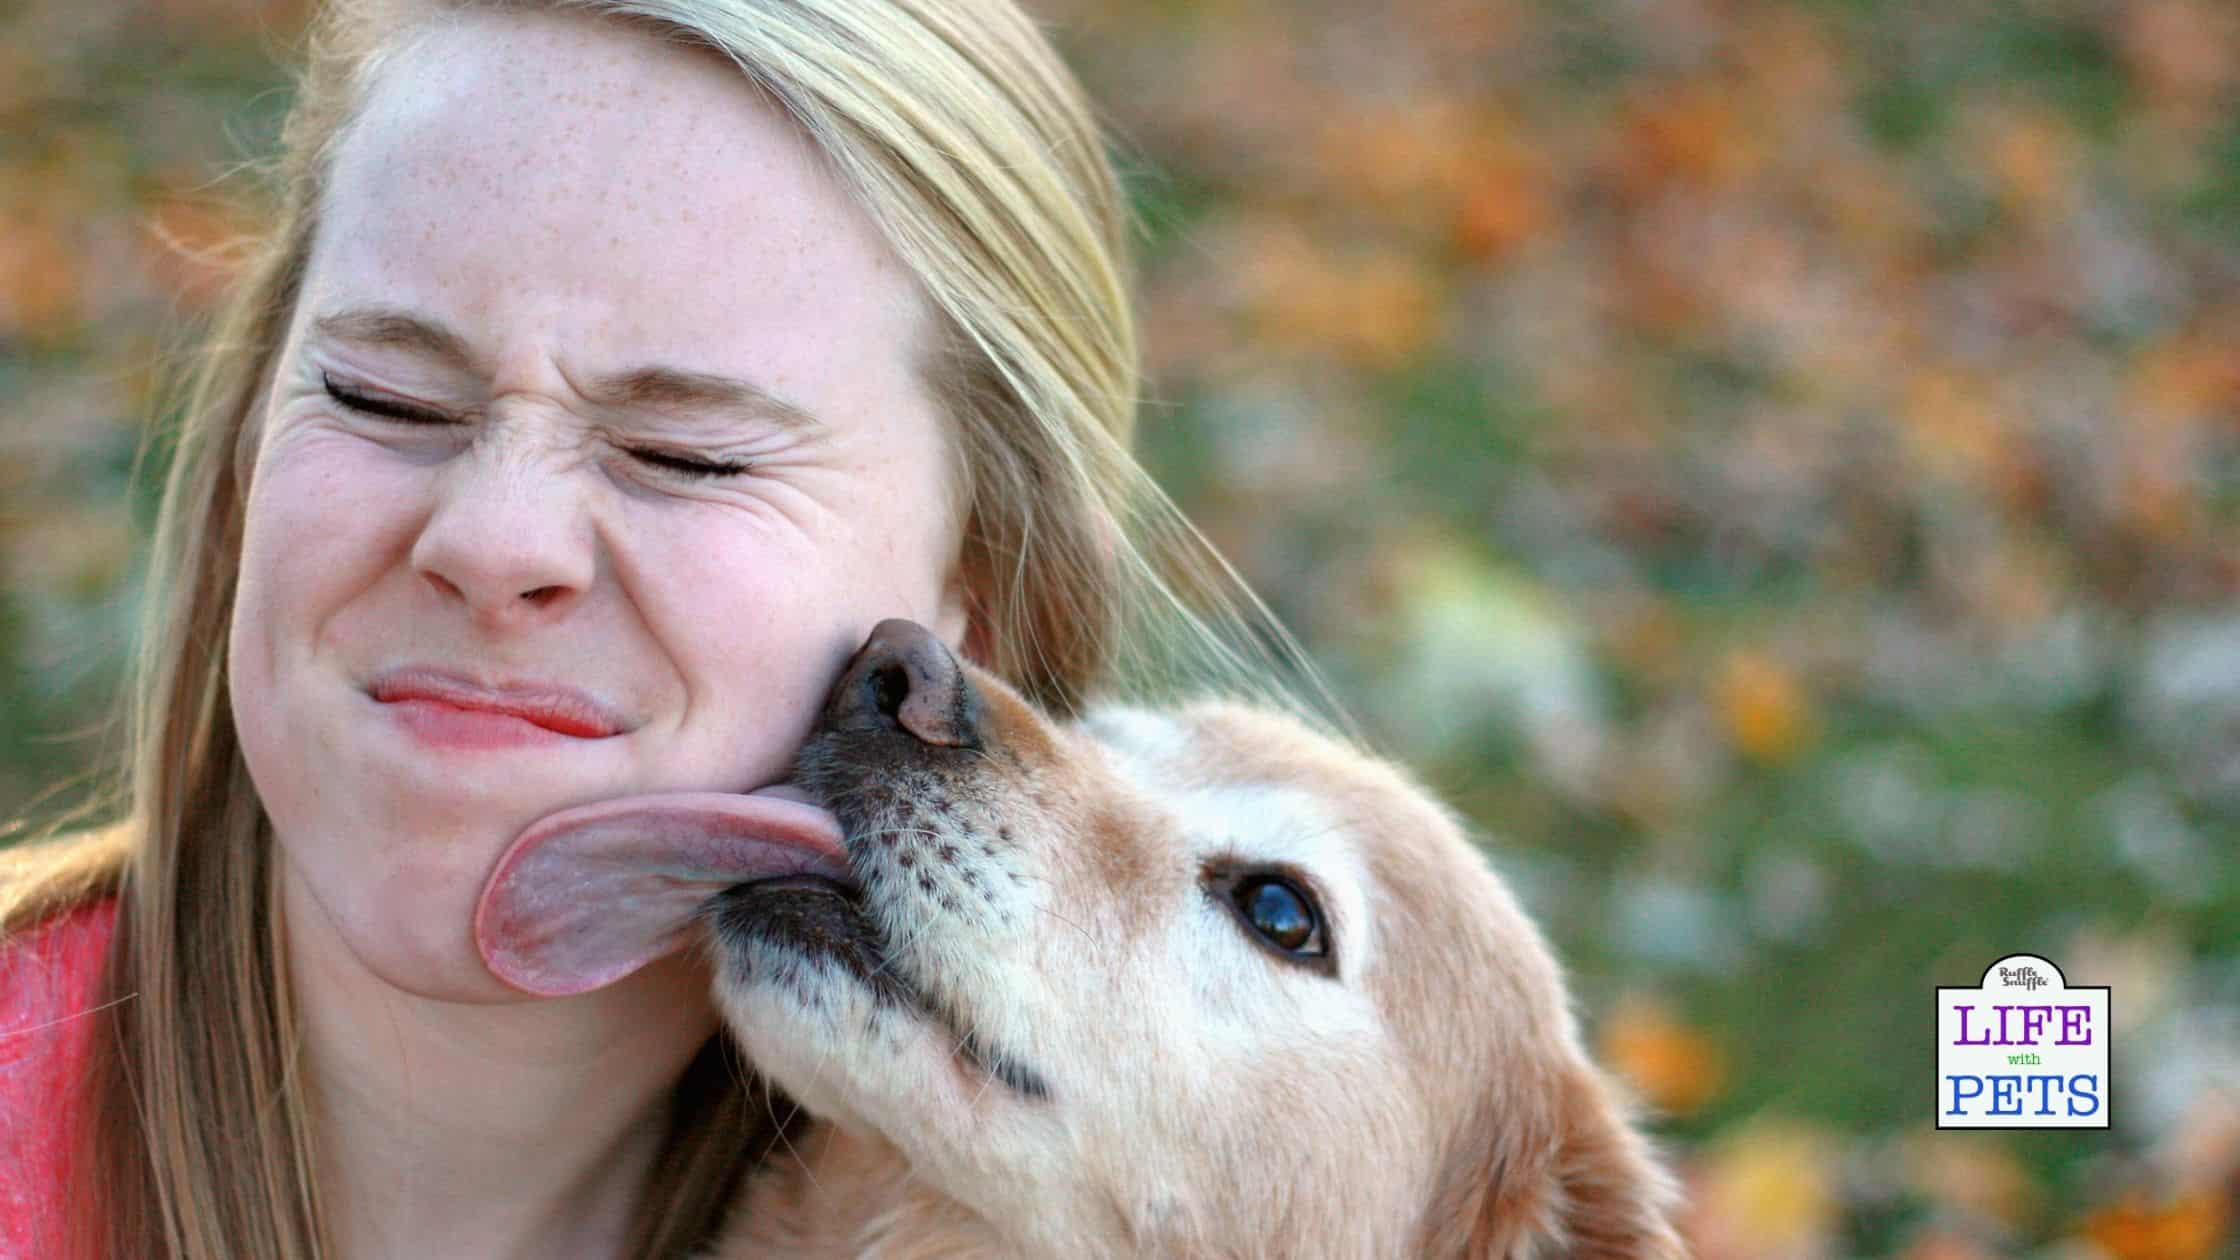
(1181, 984)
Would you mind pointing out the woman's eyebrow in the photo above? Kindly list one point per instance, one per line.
(667, 388)
(652, 386)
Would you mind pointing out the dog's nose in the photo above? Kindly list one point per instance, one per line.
(905, 678)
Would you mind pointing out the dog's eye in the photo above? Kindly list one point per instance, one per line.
(1283, 915)
(1277, 907)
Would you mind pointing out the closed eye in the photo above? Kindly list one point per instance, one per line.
(403, 413)
(383, 407)
(689, 466)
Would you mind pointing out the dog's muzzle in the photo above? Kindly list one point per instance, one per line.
(904, 679)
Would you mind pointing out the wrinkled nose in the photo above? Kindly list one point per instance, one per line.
(906, 679)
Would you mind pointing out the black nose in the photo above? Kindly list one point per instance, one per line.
(906, 679)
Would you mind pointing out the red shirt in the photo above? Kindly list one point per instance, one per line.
(48, 975)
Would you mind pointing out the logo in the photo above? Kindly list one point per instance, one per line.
(2022, 1050)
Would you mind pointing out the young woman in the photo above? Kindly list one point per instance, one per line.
(611, 367)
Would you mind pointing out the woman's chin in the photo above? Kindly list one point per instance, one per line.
(408, 932)
(413, 937)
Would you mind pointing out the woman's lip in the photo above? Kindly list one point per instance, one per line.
(549, 705)
(446, 726)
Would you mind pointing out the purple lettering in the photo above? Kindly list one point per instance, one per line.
(2076, 1026)
(2033, 1023)
(2007, 1035)
(1964, 1039)
(2025, 1025)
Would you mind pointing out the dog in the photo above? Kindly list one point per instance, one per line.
(1190, 983)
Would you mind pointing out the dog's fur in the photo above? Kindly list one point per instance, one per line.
(1056, 1038)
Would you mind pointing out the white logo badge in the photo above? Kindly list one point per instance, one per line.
(2022, 1050)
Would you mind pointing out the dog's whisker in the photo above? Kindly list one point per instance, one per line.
(977, 754)
(987, 1082)
(1085, 933)
(800, 1161)
(967, 1040)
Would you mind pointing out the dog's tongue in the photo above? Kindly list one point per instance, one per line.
(588, 895)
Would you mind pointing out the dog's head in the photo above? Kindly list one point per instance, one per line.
(1173, 983)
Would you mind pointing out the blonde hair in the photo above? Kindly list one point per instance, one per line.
(962, 134)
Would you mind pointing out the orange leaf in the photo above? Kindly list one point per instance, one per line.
(1677, 1068)
(1766, 711)
(1502, 208)
(2184, 1227)
(1952, 425)
(1691, 133)
(42, 280)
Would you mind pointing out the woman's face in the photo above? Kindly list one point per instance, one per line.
(598, 385)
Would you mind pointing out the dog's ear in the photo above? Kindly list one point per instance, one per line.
(1569, 1177)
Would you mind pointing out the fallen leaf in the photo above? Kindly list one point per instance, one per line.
(1767, 714)
(1676, 1067)
(1767, 1191)
(2181, 1227)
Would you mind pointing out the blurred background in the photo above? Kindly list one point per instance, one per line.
(1775, 466)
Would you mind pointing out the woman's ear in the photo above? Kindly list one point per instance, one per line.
(961, 623)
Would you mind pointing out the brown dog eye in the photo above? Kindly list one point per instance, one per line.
(1282, 914)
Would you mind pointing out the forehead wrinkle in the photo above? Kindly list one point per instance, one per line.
(449, 105)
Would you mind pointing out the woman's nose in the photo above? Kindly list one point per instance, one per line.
(509, 541)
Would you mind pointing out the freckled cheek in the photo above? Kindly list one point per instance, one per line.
(744, 617)
(320, 526)
(334, 485)
(907, 537)
(875, 547)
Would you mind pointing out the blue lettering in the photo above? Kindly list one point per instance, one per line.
(2006, 1096)
(1963, 1088)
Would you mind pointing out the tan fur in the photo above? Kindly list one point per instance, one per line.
(1205, 1096)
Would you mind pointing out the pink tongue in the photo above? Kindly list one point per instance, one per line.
(588, 895)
